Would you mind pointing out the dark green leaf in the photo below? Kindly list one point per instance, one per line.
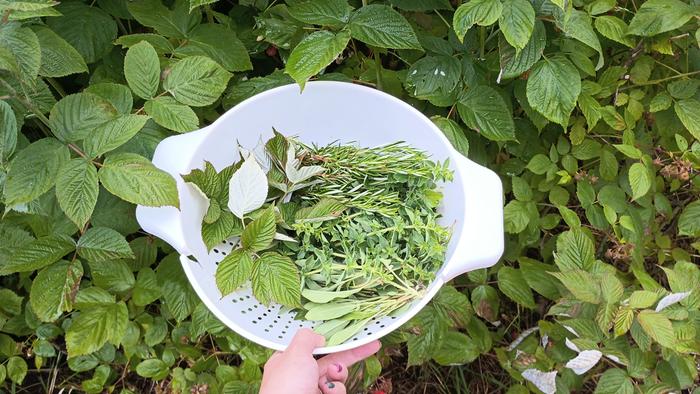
(88, 29)
(321, 12)
(219, 43)
(135, 179)
(96, 326)
(33, 171)
(475, 12)
(483, 109)
(553, 87)
(172, 115)
(381, 26)
(54, 288)
(75, 116)
(101, 243)
(58, 58)
(38, 254)
(196, 81)
(142, 69)
(77, 189)
(314, 53)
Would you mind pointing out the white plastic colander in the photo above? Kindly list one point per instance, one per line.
(323, 113)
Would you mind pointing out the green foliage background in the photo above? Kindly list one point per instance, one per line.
(588, 110)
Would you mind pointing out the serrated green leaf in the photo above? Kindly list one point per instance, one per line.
(483, 109)
(430, 335)
(219, 43)
(659, 16)
(456, 349)
(76, 115)
(657, 326)
(77, 189)
(158, 42)
(23, 44)
(142, 70)
(16, 369)
(101, 243)
(689, 220)
(320, 12)
(177, 294)
(223, 228)
(640, 181)
(58, 58)
(112, 134)
(433, 75)
(96, 326)
(54, 288)
(314, 53)
(8, 131)
(233, 271)
(614, 381)
(196, 81)
(276, 278)
(611, 288)
(517, 22)
(581, 284)
(623, 321)
(688, 111)
(515, 217)
(117, 94)
(153, 368)
(537, 277)
(539, 164)
(578, 25)
(136, 180)
(146, 289)
(514, 62)
(642, 299)
(258, 234)
(172, 115)
(513, 284)
(33, 171)
(553, 87)
(475, 12)
(114, 276)
(630, 151)
(660, 102)
(177, 21)
(38, 254)
(613, 28)
(381, 26)
(89, 30)
(575, 250)
(454, 133)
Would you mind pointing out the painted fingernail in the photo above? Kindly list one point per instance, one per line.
(338, 367)
(330, 385)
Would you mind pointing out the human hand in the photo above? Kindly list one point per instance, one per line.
(296, 371)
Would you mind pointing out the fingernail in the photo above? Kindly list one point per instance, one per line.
(338, 367)
(330, 385)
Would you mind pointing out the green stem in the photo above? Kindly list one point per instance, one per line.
(378, 65)
(654, 82)
(57, 86)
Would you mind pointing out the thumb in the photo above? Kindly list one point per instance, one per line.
(305, 341)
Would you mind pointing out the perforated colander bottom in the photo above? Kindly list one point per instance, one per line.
(268, 321)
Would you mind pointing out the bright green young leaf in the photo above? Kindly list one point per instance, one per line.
(194, 4)
(142, 70)
(275, 278)
(657, 326)
(517, 22)
(23, 45)
(660, 102)
(146, 289)
(38, 254)
(539, 164)
(77, 189)
(611, 288)
(320, 12)
(58, 58)
(258, 234)
(454, 133)
(172, 115)
(112, 134)
(553, 87)
(54, 288)
(659, 16)
(77, 115)
(220, 44)
(233, 271)
(196, 81)
(314, 53)
(623, 321)
(581, 284)
(8, 131)
(689, 221)
(96, 326)
(688, 111)
(640, 181)
(136, 180)
(226, 226)
(513, 284)
(630, 151)
(117, 94)
(483, 109)
(33, 170)
(476, 12)
(516, 217)
(101, 243)
(153, 368)
(90, 30)
(614, 29)
(379, 25)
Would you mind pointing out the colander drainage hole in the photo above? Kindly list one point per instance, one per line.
(266, 330)
(259, 318)
(255, 322)
(279, 336)
(216, 250)
(247, 297)
(265, 314)
(284, 332)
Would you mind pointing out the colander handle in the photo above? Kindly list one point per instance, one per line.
(173, 155)
(481, 240)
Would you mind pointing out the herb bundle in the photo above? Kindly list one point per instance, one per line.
(342, 234)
